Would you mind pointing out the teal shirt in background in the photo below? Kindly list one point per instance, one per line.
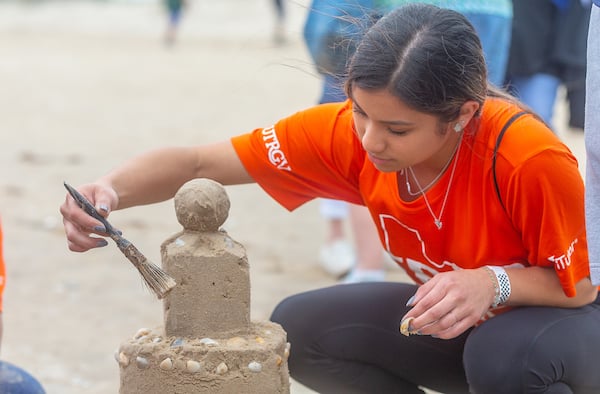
(490, 7)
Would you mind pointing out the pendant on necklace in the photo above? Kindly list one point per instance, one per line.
(438, 224)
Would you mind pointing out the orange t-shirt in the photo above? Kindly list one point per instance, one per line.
(315, 153)
(2, 270)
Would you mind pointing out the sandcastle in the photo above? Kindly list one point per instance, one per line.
(208, 343)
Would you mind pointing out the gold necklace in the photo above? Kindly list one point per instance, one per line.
(437, 220)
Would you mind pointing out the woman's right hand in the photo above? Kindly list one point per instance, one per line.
(82, 230)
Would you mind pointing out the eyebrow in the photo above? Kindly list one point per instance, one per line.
(388, 122)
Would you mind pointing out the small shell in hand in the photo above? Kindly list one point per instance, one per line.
(405, 326)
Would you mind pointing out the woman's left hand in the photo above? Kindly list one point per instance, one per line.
(451, 302)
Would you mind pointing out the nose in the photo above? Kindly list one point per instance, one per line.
(372, 139)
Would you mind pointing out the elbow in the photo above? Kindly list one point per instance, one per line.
(586, 293)
(591, 295)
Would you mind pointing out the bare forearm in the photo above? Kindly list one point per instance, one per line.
(157, 175)
(540, 286)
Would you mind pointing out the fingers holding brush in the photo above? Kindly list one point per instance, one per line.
(81, 228)
(82, 219)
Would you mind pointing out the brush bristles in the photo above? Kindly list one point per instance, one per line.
(156, 279)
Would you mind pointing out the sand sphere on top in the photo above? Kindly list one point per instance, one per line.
(202, 205)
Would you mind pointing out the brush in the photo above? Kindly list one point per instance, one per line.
(154, 277)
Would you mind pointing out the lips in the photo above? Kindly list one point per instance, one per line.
(378, 160)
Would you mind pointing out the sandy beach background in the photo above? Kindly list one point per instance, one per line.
(85, 85)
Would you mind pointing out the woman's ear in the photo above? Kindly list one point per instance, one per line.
(467, 111)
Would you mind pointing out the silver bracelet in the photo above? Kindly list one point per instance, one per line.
(503, 285)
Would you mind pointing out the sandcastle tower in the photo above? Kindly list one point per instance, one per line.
(208, 343)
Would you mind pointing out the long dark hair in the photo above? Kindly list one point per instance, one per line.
(429, 57)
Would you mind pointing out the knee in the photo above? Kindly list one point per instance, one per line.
(283, 313)
(492, 365)
(294, 315)
(517, 364)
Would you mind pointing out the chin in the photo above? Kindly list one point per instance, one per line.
(384, 168)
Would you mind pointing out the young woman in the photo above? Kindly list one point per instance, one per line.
(492, 233)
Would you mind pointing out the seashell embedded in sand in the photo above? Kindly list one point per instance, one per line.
(123, 359)
(236, 341)
(260, 339)
(255, 366)
(177, 342)
(279, 361)
(209, 342)
(167, 364)
(142, 332)
(221, 369)
(286, 352)
(143, 338)
(193, 366)
(142, 362)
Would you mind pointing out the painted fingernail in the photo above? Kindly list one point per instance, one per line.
(100, 229)
(410, 301)
(103, 207)
(101, 243)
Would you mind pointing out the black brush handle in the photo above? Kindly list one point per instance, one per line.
(90, 209)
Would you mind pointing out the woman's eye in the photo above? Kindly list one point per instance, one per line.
(397, 132)
(358, 112)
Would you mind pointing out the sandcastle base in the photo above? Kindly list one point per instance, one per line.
(253, 362)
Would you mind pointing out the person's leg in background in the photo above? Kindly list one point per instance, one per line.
(279, 35)
(358, 258)
(369, 265)
(576, 97)
(538, 91)
(571, 54)
(532, 76)
(336, 256)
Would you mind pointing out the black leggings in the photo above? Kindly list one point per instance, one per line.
(346, 339)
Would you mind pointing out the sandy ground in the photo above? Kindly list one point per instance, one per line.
(85, 85)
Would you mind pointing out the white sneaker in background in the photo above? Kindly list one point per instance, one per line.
(337, 258)
(358, 276)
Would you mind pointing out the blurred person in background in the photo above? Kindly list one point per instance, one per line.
(492, 19)
(592, 143)
(13, 379)
(279, 33)
(331, 31)
(547, 50)
(174, 10)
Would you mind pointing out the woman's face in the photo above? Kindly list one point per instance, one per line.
(395, 136)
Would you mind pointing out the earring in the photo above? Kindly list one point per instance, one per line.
(458, 127)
